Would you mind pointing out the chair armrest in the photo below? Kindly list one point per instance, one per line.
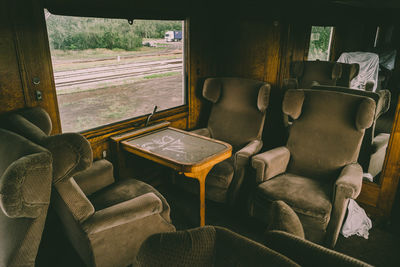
(380, 141)
(71, 153)
(243, 155)
(202, 131)
(306, 253)
(122, 213)
(270, 163)
(76, 201)
(350, 181)
(97, 177)
(383, 104)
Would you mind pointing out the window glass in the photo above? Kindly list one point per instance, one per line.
(107, 70)
(320, 43)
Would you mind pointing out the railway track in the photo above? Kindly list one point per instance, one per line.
(115, 72)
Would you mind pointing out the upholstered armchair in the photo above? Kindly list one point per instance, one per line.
(218, 246)
(237, 117)
(373, 148)
(316, 173)
(305, 74)
(105, 220)
(25, 186)
(207, 246)
(285, 234)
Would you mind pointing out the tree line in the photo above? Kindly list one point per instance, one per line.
(75, 33)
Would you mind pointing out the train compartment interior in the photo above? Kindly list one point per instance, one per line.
(245, 126)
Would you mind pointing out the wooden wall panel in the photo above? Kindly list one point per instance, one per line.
(201, 64)
(34, 56)
(391, 172)
(11, 92)
(243, 48)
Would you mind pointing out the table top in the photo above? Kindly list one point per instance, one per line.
(178, 149)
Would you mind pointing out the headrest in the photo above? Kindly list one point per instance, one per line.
(354, 70)
(212, 89)
(365, 114)
(263, 97)
(336, 71)
(20, 125)
(293, 103)
(39, 117)
(71, 151)
(297, 68)
(25, 181)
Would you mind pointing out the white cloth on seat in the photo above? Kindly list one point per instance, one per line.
(357, 221)
(369, 68)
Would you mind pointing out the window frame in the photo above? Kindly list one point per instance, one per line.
(176, 112)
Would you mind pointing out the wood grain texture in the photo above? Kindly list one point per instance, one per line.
(34, 57)
(11, 92)
(391, 168)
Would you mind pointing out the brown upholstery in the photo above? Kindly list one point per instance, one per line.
(285, 234)
(218, 246)
(309, 73)
(306, 253)
(106, 221)
(25, 185)
(237, 117)
(320, 155)
(207, 246)
(283, 218)
(373, 148)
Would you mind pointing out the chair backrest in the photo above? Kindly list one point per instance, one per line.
(309, 73)
(238, 112)
(25, 186)
(207, 246)
(382, 106)
(327, 130)
(71, 152)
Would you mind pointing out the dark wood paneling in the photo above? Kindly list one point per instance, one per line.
(391, 172)
(201, 64)
(34, 56)
(11, 92)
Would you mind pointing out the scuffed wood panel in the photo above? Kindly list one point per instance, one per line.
(201, 64)
(34, 56)
(391, 169)
(11, 93)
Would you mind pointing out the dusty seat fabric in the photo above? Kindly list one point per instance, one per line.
(316, 172)
(25, 186)
(237, 117)
(305, 74)
(218, 246)
(207, 246)
(306, 253)
(109, 230)
(373, 148)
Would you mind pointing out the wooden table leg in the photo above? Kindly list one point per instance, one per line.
(201, 177)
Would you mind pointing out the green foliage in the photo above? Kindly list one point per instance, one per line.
(155, 28)
(74, 33)
(319, 43)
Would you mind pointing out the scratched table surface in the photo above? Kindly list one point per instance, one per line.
(177, 145)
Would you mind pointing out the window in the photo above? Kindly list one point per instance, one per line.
(107, 70)
(320, 43)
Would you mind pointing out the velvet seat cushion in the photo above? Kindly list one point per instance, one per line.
(119, 192)
(306, 196)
